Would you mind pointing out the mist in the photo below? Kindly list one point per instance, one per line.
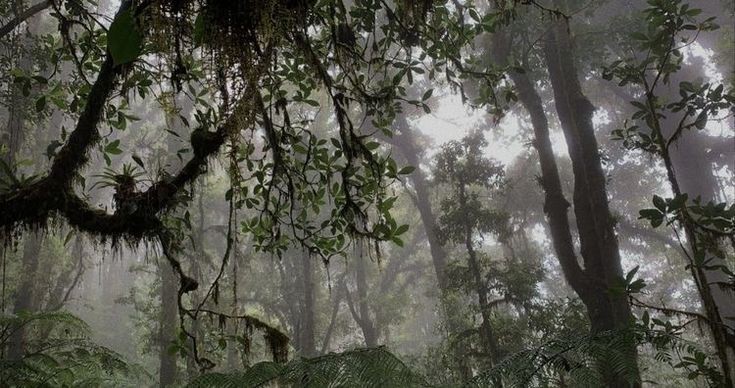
(339, 193)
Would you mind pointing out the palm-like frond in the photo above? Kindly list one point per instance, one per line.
(375, 367)
(67, 357)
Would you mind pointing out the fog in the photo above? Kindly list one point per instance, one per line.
(367, 193)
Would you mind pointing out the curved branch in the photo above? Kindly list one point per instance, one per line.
(23, 16)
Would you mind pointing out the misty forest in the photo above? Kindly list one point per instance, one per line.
(367, 193)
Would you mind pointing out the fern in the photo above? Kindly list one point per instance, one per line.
(579, 360)
(375, 367)
(67, 357)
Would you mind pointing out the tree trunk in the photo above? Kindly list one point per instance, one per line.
(718, 302)
(693, 174)
(25, 293)
(168, 369)
(15, 132)
(167, 327)
(489, 342)
(405, 143)
(599, 248)
(364, 319)
(307, 321)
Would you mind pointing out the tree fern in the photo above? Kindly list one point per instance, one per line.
(66, 357)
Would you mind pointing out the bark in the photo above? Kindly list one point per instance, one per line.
(693, 174)
(23, 16)
(308, 345)
(167, 327)
(333, 317)
(25, 293)
(487, 336)
(598, 242)
(367, 325)
(405, 143)
(718, 302)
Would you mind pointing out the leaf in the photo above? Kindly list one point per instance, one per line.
(406, 170)
(659, 203)
(41, 104)
(631, 274)
(397, 241)
(427, 95)
(701, 120)
(401, 230)
(138, 161)
(199, 29)
(113, 147)
(678, 201)
(124, 40)
(68, 237)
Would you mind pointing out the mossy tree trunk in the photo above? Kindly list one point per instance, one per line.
(599, 247)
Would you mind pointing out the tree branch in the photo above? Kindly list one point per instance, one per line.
(23, 16)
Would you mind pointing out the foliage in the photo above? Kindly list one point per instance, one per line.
(375, 367)
(61, 354)
(569, 359)
(472, 179)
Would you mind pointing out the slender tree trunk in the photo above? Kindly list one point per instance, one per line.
(169, 315)
(192, 370)
(487, 336)
(15, 133)
(692, 172)
(307, 321)
(364, 319)
(25, 294)
(405, 143)
(65, 284)
(716, 303)
(167, 328)
(333, 317)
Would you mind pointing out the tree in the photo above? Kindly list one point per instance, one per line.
(602, 271)
(704, 224)
(463, 219)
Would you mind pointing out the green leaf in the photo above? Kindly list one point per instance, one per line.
(427, 94)
(659, 203)
(113, 147)
(41, 104)
(397, 241)
(406, 170)
(138, 161)
(199, 29)
(124, 40)
(401, 230)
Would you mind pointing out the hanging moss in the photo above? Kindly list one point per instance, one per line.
(278, 344)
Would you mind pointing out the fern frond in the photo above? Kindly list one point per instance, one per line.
(374, 367)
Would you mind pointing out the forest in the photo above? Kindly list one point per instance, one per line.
(367, 193)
